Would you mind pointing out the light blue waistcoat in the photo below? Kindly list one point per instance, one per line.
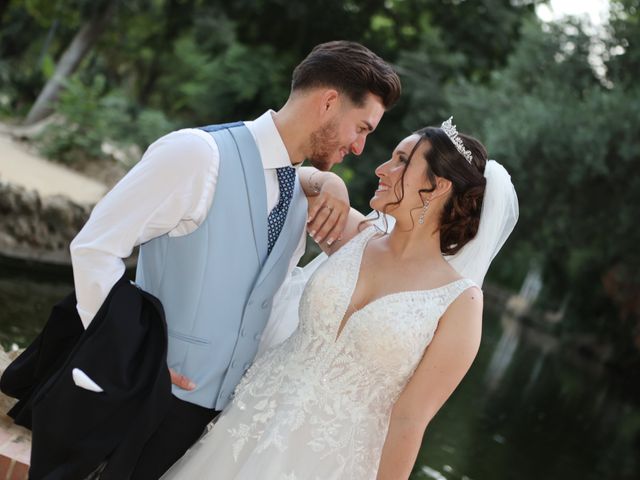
(217, 283)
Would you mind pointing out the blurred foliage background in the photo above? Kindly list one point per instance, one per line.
(557, 105)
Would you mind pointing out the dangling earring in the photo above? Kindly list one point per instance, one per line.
(424, 210)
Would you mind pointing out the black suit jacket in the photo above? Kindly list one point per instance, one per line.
(124, 351)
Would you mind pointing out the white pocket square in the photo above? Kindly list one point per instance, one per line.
(82, 380)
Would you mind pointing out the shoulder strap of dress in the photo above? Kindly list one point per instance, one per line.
(364, 235)
(455, 289)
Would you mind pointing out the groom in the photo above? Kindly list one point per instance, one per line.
(220, 216)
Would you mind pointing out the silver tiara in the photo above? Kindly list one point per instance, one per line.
(452, 133)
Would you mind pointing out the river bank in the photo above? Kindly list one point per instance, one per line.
(43, 204)
(21, 165)
(38, 227)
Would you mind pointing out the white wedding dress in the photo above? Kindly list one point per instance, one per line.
(316, 407)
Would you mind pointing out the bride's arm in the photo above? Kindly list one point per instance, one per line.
(331, 222)
(444, 364)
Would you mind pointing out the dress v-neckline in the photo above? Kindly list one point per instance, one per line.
(344, 322)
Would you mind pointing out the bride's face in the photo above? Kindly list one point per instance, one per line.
(392, 181)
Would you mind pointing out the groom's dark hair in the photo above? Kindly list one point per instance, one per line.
(350, 68)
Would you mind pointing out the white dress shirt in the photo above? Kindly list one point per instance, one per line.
(169, 191)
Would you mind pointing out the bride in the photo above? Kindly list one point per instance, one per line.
(388, 326)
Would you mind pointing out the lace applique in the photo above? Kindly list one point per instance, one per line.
(338, 395)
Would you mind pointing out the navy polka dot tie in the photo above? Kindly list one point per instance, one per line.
(286, 181)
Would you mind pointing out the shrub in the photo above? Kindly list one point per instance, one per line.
(91, 117)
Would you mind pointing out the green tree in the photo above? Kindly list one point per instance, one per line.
(571, 146)
(624, 47)
(82, 42)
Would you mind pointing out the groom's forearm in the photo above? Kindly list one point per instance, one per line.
(314, 180)
(328, 204)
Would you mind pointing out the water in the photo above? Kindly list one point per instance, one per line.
(25, 302)
(526, 410)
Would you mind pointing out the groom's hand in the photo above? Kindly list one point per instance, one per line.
(329, 210)
(181, 381)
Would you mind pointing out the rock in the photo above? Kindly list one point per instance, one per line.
(21, 228)
(41, 225)
(8, 240)
(8, 200)
(56, 212)
(29, 202)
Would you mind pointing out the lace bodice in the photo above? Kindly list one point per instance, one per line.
(342, 388)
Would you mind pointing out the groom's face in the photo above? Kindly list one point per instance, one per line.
(345, 132)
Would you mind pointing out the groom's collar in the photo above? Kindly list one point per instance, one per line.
(270, 145)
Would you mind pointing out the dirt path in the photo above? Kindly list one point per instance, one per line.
(20, 166)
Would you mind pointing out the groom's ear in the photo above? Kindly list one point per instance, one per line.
(329, 101)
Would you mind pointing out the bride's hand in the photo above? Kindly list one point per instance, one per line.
(180, 380)
(328, 210)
